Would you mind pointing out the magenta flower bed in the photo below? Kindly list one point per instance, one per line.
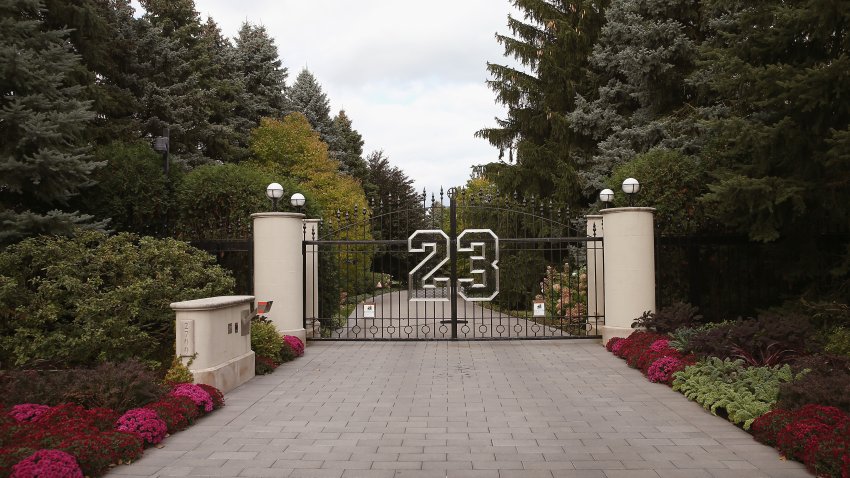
(296, 344)
(68, 440)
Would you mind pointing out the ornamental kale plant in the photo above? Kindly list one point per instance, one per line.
(745, 393)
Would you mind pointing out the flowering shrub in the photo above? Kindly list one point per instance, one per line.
(817, 435)
(617, 346)
(612, 342)
(143, 422)
(633, 346)
(198, 395)
(27, 412)
(124, 447)
(660, 345)
(47, 463)
(171, 414)
(11, 455)
(766, 427)
(215, 394)
(296, 344)
(186, 406)
(662, 370)
(91, 453)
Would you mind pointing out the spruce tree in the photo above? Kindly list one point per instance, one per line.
(263, 77)
(552, 44)
(306, 97)
(391, 190)
(645, 52)
(43, 162)
(349, 144)
(104, 34)
(779, 125)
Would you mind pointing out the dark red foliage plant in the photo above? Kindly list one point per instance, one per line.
(827, 454)
(186, 406)
(171, 413)
(215, 394)
(825, 380)
(766, 428)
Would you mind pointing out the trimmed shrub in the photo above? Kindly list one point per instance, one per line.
(768, 340)
(171, 414)
(44, 463)
(824, 379)
(120, 386)
(67, 301)
(186, 406)
(178, 372)
(667, 319)
(265, 339)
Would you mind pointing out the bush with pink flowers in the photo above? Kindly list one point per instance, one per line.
(27, 412)
(143, 422)
(662, 370)
(296, 344)
(197, 394)
(47, 463)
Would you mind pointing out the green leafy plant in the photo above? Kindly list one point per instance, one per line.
(744, 393)
(680, 339)
(178, 372)
(265, 339)
(89, 298)
(838, 341)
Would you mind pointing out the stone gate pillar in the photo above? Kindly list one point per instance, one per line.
(629, 249)
(278, 268)
(311, 232)
(595, 277)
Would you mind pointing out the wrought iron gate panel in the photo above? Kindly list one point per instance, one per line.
(537, 287)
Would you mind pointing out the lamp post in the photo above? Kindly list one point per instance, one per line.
(274, 191)
(297, 200)
(161, 144)
(631, 186)
(606, 196)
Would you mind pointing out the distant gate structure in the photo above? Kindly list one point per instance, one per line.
(484, 267)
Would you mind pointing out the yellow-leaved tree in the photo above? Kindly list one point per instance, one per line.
(292, 148)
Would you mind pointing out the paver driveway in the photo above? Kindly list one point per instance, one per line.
(456, 409)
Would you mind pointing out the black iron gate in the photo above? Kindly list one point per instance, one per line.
(485, 267)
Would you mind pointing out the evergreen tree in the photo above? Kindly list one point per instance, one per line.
(776, 74)
(349, 144)
(43, 162)
(306, 97)
(263, 78)
(392, 191)
(553, 44)
(644, 53)
(171, 91)
(222, 91)
(104, 34)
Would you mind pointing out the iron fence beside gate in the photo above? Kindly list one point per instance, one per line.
(485, 267)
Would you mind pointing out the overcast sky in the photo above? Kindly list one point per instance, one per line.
(410, 74)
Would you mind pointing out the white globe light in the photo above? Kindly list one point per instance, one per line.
(274, 191)
(606, 195)
(631, 186)
(297, 200)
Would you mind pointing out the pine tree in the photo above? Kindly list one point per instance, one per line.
(349, 143)
(553, 44)
(776, 74)
(306, 97)
(392, 191)
(43, 162)
(263, 78)
(645, 52)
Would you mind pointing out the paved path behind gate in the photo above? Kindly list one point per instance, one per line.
(460, 409)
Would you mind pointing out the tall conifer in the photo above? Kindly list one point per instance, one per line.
(552, 42)
(43, 161)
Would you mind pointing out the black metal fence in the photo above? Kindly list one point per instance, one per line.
(483, 267)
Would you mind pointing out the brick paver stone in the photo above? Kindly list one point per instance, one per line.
(460, 409)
